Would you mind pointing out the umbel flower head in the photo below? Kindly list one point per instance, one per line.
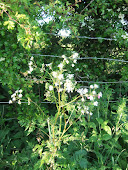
(16, 96)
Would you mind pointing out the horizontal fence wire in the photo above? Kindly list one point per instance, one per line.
(84, 37)
(103, 82)
(80, 81)
(100, 82)
(83, 58)
(50, 102)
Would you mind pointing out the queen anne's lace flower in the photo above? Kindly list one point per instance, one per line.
(19, 102)
(70, 76)
(75, 56)
(91, 98)
(10, 101)
(91, 86)
(60, 66)
(20, 95)
(60, 77)
(54, 74)
(99, 95)
(82, 91)
(50, 87)
(96, 86)
(69, 85)
(95, 103)
(94, 92)
(15, 96)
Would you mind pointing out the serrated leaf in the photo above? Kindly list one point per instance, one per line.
(83, 163)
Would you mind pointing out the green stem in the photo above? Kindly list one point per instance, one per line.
(71, 101)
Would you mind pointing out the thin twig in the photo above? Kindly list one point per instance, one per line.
(86, 6)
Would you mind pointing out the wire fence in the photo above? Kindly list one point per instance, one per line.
(83, 37)
(81, 81)
(51, 102)
(83, 58)
(92, 82)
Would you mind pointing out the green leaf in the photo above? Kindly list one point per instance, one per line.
(99, 120)
(83, 163)
(10, 24)
(92, 125)
(106, 137)
(107, 129)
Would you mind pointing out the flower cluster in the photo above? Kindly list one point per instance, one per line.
(84, 110)
(86, 95)
(30, 65)
(91, 95)
(16, 96)
(74, 58)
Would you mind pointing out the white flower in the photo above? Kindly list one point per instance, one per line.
(93, 92)
(54, 74)
(82, 99)
(75, 55)
(86, 108)
(73, 65)
(70, 76)
(69, 85)
(63, 56)
(91, 86)
(67, 61)
(85, 90)
(20, 91)
(60, 77)
(10, 101)
(30, 63)
(80, 91)
(77, 69)
(50, 87)
(13, 95)
(29, 100)
(79, 107)
(61, 82)
(49, 65)
(91, 113)
(91, 98)
(19, 102)
(87, 112)
(56, 84)
(32, 58)
(30, 69)
(82, 111)
(75, 61)
(47, 94)
(95, 103)
(13, 99)
(60, 66)
(96, 86)
(99, 95)
(60, 90)
(20, 95)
